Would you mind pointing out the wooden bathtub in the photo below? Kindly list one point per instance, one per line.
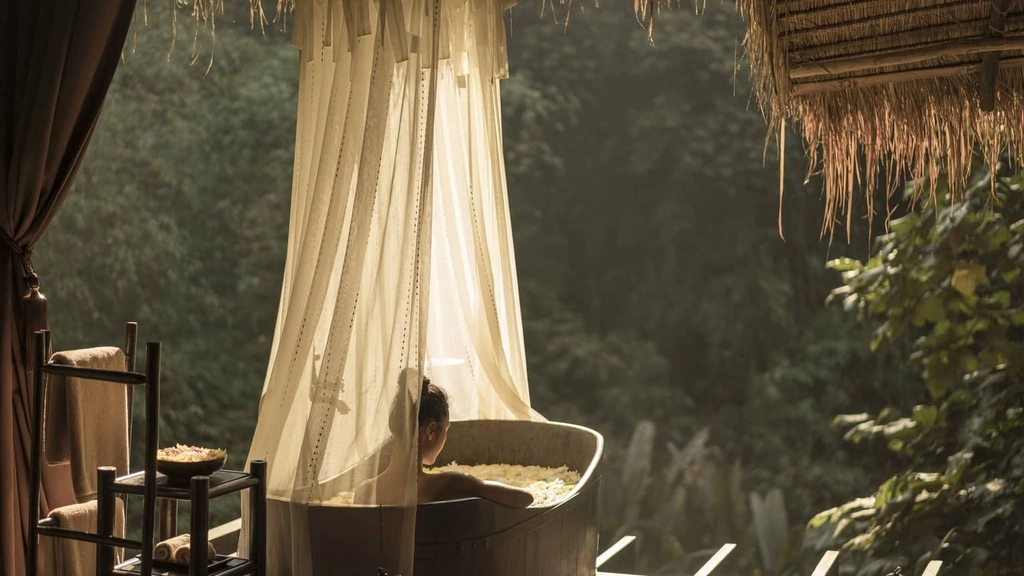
(474, 536)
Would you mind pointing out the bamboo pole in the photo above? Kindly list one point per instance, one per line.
(797, 29)
(904, 37)
(903, 57)
(810, 8)
(893, 77)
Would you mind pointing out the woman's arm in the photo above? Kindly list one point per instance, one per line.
(458, 485)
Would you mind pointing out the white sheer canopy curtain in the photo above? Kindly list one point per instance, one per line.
(400, 258)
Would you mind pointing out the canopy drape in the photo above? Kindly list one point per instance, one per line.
(58, 58)
(399, 260)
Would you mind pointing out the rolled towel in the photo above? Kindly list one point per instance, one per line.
(184, 554)
(167, 550)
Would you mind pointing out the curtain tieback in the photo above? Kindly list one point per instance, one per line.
(28, 270)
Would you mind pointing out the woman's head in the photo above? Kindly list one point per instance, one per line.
(433, 403)
(432, 418)
(433, 421)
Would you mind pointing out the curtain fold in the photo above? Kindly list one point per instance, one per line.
(58, 58)
(399, 263)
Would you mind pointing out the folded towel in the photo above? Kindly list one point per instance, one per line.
(65, 557)
(178, 550)
(166, 549)
(87, 422)
(184, 554)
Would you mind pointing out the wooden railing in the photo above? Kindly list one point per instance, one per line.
(823, 568)
(225, 537)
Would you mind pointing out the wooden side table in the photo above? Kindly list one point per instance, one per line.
(198, 493)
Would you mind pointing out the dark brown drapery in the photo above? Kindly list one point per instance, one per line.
(57, 58)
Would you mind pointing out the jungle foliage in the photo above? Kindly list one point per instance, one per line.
(660, 305)
(947, 282)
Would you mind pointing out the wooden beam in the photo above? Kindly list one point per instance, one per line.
(715, 560)
(990, 61)
(806, 88)
(614, 549)
(903, 57)
(825, 564)
(932, 569)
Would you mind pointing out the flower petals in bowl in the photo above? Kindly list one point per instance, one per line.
(181, 462)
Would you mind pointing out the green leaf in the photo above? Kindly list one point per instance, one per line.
(843, 420)
(939, 376)
(844, 264)
(900, 429)
(967, 276)
(990, 358)
(904, 225)
(1000, 299)
(925, 415)
(930, 309)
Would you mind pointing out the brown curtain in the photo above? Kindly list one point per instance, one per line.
(57, 58)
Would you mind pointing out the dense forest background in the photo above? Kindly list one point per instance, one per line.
(661, 306)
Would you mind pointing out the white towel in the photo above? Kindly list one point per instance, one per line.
(179, 550)
(64, 557)
(184, 554)
(166, 550)
(87, 422)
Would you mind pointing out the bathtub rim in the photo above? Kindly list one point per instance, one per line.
(585, 477)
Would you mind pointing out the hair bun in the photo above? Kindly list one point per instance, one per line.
(426, 384)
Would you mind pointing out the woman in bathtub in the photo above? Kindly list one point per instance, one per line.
(434, 486)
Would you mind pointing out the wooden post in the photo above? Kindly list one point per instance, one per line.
(258, 517)
(168, 519)
(990, 60)
(131, 353)
(152, 441)
(199, 496)
(106, 511)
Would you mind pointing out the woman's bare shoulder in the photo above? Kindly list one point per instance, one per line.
(450, 479)
(448, 485)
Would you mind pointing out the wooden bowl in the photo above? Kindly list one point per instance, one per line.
(182, 471)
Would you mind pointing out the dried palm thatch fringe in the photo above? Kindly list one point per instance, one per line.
(645, 10)
(205, 14)
(919, 117)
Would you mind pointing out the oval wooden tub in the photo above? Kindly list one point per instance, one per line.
(475, 536)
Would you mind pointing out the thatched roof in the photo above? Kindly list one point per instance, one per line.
(889, 87)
